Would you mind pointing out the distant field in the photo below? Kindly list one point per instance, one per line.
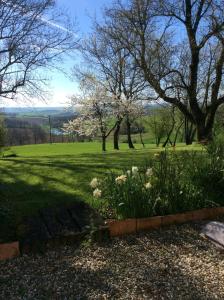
(47, 175)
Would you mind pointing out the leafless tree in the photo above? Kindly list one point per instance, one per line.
(179, 46)
(32, 37)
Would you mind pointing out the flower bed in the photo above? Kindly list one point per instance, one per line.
(169, 183)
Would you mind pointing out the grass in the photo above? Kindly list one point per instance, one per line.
(49, 175)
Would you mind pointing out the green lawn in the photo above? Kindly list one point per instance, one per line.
(48, 175)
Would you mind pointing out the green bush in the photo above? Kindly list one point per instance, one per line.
(171, 182)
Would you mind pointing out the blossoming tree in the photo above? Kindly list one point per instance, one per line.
(95, 109)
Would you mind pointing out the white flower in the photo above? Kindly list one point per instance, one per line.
(128, 172)
(97, 193)
(148, 185)
(121, 179)
(149, 172)
(134, 171)
(94, 183)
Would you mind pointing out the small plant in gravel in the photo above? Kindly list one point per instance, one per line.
(170, 183)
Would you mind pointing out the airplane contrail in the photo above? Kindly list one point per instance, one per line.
(53, 24)
(45, 20)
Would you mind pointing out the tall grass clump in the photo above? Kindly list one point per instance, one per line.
(171, 182)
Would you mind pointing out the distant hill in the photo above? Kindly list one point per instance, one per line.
(36, 111)
(53, 111)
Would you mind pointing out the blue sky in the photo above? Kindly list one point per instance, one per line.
(82, 10)
(60, 86)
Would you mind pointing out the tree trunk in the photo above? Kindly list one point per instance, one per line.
(130, 144)
(103, 143)
(204, 127)
(189, 131)
(204, 133)
(141, 139)
(176, 135)
(116, 135)
(168, 137)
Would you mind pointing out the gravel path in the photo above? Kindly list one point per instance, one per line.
(172, 263)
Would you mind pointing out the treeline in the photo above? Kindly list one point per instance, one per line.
(162, 125)
(33, 130)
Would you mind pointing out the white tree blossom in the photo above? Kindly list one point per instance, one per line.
(95, 108)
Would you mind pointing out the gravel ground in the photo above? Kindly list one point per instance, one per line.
(171, 263)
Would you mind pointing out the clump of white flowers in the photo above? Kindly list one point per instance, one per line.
(148, 185)
(97, 193)
(149, 172)
(121, 179)
(94, 183)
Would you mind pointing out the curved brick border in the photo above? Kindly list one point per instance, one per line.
(9, 250)
(122, 227)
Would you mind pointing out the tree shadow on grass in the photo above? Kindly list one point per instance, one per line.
(27, 185)
(85, 166)
(68, 174)
(119, 158)
(31, 179)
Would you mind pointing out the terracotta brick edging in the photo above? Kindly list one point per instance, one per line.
(9, 250)
(128, 226)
